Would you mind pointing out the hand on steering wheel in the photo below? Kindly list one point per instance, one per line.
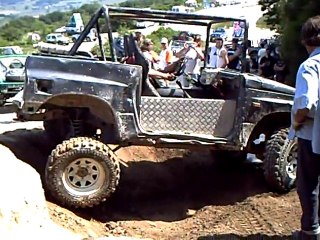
(180, 67)
(169, 76)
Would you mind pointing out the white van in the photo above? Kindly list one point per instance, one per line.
(183, 9)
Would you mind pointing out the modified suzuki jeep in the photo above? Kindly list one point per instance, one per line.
(91, 104)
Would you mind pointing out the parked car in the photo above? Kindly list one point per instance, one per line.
(57, 38)
(144, 24)
(12, 75)
(219, 33)
(91, 37)
(10, 50)
(119, 46)
(177, 45)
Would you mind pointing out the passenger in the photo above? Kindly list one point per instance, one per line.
(149, 54)
(218, 56)
(160, 76)
(139, 37)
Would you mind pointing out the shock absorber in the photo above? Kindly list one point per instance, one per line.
(77, 123)
(77, 127)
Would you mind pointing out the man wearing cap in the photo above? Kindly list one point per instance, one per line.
(166, 55)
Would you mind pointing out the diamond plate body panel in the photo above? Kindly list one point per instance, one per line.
(186, 116)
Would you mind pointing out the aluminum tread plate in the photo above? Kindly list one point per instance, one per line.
(185, 116)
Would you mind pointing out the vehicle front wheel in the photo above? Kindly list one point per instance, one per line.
(82, 172)
(280, 163)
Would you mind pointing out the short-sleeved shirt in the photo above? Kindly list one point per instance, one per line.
(307, 94)
(165, 57)
(216, 57)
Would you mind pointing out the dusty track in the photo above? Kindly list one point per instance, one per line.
(166, 194)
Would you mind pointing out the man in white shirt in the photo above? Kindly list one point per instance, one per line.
(262, 51)
(305, 126)
(218, 55)
(166, 55)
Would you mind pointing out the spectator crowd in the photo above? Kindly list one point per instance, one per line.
(266, 61)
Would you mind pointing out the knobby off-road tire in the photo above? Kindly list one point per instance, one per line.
(82, 172)
(280, 161)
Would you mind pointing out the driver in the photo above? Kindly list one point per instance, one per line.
(193, 54)
(160, 76)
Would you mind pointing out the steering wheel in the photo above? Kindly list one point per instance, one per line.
(181, 66)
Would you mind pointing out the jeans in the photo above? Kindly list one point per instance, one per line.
(308, 173)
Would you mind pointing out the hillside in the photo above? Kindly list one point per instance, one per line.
(40, 7)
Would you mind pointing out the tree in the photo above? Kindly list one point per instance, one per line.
(295, 13)
(273, 12)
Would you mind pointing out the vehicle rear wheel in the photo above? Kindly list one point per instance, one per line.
(82, 172)
(60, 43)
(74, 40)
(280, 163)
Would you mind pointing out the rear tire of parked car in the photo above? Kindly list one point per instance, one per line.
(60, 43)
(82, 172)
(74, 40)
(280, 161)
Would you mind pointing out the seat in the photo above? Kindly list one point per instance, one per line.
(147, 88)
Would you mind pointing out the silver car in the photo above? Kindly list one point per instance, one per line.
(13, 68)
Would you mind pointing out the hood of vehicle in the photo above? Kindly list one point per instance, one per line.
(253, 81)
(8, 60)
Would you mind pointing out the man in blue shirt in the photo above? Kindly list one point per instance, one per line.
(304, 123)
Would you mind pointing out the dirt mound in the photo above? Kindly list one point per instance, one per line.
(172, 194)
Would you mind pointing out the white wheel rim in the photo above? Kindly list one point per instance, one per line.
(84, 176)
(291, 167)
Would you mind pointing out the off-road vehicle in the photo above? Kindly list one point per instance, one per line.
(91, 104)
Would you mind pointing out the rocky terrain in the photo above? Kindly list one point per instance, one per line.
(163, 194)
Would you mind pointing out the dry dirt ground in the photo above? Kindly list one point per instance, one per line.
(171, 194)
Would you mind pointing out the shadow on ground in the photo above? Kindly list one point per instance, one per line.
(154, 190)
(249, 237)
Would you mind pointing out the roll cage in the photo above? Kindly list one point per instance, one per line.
(117, 13)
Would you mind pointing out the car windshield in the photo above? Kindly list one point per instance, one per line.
(13, 63)
(16, 64)
(219, 30)
(6, 51)
(178, 43)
